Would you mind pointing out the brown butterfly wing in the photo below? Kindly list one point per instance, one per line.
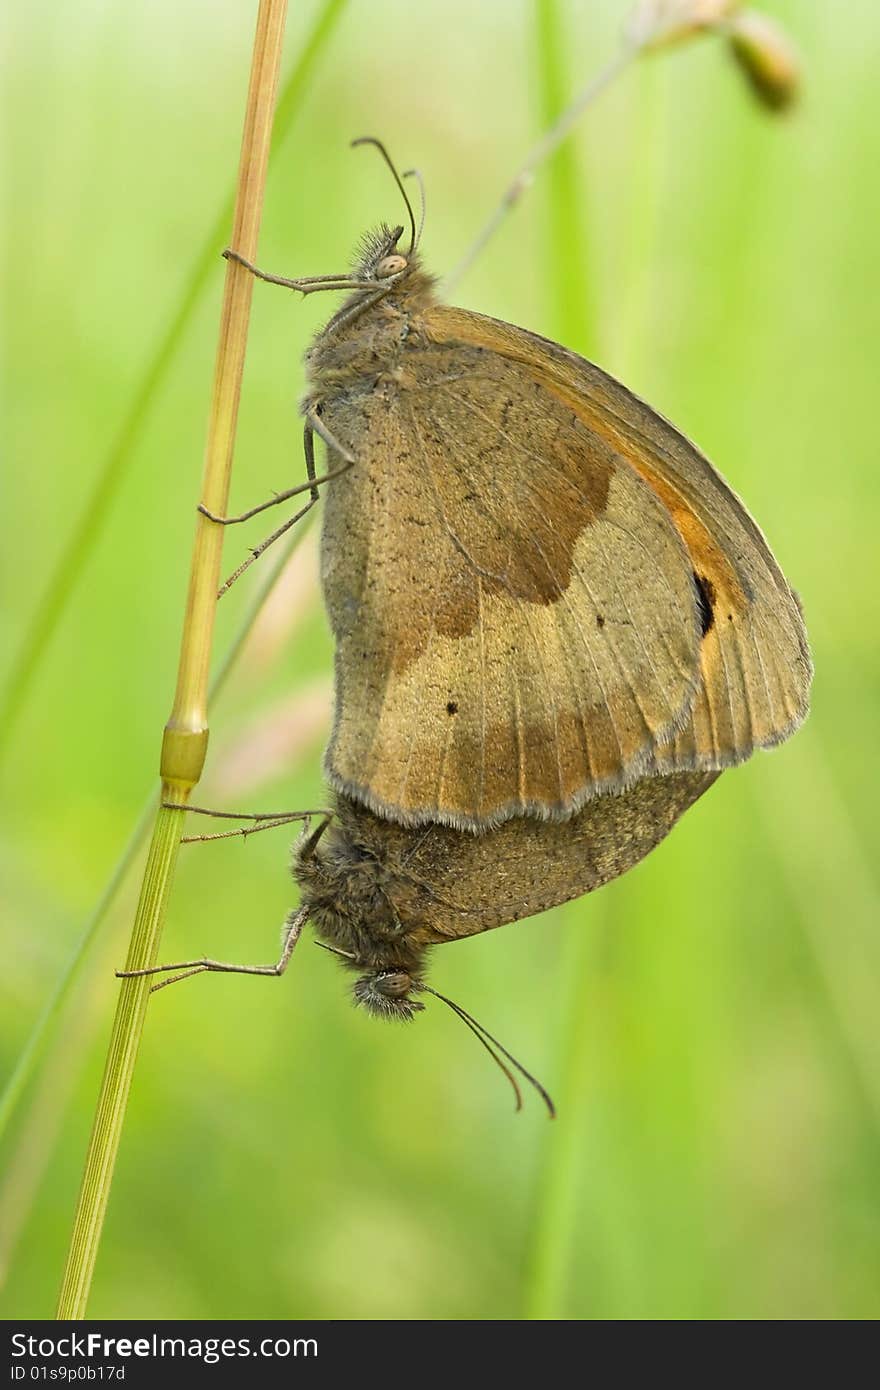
(516, 620)
(755, 667)
(445, 884)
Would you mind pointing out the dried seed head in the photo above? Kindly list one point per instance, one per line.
(658, 23)
(767, 58)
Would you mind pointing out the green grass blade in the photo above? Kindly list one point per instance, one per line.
(568, 249)
(33, 1048)
(75, 554)
(32, 1051)
(128, 1026)
(570, 294)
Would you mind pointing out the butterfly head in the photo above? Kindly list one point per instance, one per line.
(388, 994)
(379, 261)
(389, 286)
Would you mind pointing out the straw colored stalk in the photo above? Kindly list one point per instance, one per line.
(186, 733)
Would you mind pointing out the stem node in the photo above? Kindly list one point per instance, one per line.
(183, 756)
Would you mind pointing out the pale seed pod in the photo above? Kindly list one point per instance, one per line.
(767, 58)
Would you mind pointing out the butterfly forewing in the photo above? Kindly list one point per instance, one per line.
(516, 621)
(754, 664)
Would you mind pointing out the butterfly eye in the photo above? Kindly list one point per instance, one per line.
(387, 994)
(390, 265)
(394, 984)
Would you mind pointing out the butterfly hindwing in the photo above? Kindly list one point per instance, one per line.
(443, 884)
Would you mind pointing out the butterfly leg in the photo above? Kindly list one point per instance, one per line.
(278, 497)
(185, 968)
(315, 422)
(306, 284)
(263, 820)
(311, 487)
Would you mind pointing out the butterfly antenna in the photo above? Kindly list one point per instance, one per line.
(371, 140)
(469, 1023)
(491, 1044)
(417, 175)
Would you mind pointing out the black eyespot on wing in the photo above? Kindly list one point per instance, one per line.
(705, 593)
(452, 707)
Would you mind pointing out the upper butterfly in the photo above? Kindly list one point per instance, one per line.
(540, 590)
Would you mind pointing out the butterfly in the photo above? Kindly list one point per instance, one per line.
(381, 895)
(555, 626)
(540, 590)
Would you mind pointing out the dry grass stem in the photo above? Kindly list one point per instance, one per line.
(186, 733)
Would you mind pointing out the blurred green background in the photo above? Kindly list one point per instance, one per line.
(709, 1024)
